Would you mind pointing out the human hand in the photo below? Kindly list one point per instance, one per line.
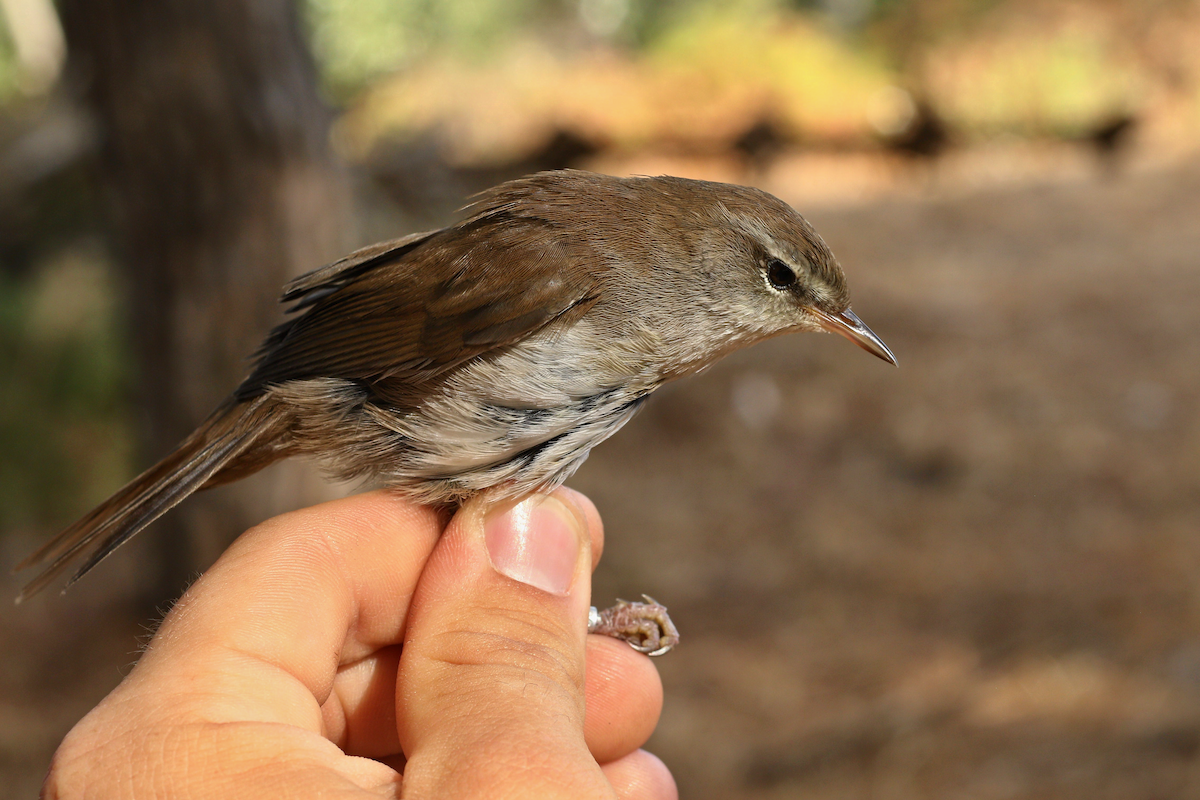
(328, 644)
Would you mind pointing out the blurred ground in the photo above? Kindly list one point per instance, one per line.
(971, 576)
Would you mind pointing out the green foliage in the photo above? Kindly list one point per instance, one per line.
(359, 41)
(9, 70)
(815, 79)
(356, 41)
(1051, 85)
(64, 438)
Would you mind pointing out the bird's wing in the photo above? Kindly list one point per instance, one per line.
(312, 286)
(404, 312)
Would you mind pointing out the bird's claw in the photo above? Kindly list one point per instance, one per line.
(646, 627)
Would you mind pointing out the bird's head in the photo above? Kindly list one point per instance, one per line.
(777, 272)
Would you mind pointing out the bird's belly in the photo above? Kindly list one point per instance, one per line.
(454, 447)
(521, 421)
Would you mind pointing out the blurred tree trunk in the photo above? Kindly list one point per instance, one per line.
(220, 184)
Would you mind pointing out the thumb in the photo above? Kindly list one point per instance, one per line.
(490, 689)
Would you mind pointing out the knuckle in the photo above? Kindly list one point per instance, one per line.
(530, 647)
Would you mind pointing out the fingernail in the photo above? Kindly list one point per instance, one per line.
(535, 542)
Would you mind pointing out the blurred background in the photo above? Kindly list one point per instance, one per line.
(974, 576)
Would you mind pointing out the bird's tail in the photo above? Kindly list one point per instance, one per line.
(232, 431)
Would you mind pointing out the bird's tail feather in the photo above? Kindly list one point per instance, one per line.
(227, 434)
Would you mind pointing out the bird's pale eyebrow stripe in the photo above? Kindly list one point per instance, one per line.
(762, 234)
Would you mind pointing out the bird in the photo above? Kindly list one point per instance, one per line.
(491, 355)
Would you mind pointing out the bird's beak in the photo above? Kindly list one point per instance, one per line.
(847, 324)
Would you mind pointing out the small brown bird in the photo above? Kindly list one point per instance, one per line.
(492, 355)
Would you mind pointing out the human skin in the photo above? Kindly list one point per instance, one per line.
(368, 648)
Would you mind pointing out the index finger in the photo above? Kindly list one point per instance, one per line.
(261, 635)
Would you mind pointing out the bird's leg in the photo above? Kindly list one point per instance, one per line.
(645, 626)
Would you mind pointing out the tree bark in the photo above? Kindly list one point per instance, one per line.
(221, 184)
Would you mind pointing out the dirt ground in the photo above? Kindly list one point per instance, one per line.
(973, 576)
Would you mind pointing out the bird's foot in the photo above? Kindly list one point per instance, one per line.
(645, 626)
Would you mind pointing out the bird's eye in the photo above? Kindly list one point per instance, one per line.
(779, 274)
